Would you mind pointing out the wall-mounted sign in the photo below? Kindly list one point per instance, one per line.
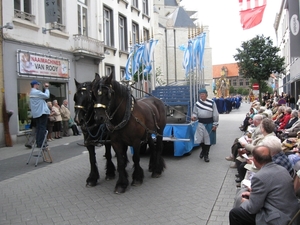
(293, 8)
(31, 63)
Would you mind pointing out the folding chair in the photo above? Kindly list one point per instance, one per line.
(43, 152)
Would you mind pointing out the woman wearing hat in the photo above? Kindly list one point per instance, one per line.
(205, 111)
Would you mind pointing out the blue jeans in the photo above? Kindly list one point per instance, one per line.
(41, 126)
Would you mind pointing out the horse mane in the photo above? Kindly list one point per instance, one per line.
(120, 88)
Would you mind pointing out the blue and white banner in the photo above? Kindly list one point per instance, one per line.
(141, 54)
(193, 55)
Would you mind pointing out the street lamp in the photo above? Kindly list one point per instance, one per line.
(55, 27)
(8, 25)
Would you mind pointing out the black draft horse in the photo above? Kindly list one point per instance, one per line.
(131, 122)
(84, 117)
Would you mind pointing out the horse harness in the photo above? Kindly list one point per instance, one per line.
(86, 127)
(128, 112)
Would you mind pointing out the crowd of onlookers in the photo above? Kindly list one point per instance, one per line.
(267, 159)
(58, 124)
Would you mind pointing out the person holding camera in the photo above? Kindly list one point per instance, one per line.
(39, 110)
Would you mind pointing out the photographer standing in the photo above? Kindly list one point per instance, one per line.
(39, 110)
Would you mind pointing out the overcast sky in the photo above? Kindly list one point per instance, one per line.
(226, 32)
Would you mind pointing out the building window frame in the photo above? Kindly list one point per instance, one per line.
(123, 46)
(122, 72)
(108, 31)
(82, 16)
(23, 10)
(109, 69)
(234, 82)
(146, 34)
(135, 33)
(145, 7)
(135, 3)
(23, 6)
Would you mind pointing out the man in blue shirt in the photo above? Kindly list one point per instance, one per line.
(39, 110)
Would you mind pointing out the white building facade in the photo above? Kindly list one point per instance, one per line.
(289, 43)
(58, 41)
(86, 37)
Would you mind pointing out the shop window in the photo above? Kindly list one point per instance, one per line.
(57, 91)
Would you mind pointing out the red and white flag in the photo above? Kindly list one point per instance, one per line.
(251, 12)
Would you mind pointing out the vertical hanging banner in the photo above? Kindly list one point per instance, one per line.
(251, 12)
(51, 11)
(293, 8)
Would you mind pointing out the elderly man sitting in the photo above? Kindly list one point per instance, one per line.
(271, 199)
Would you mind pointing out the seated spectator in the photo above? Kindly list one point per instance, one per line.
(285, 119)
(73, 126)
(292, 131)
(278, 157)
(277, 154)
(290, 143)
(278, 115)
(271, 199)
(248, 118)
(252, 135)
(267, 127)
(294, 158)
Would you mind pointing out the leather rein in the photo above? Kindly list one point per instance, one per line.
(128, 112)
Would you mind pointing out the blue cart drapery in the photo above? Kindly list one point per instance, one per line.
(182, 135)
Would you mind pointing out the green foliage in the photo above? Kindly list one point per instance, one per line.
(258, 58)
(231, 90)
(159, 77)
(245, 92)
(141, 76)
(240, 90)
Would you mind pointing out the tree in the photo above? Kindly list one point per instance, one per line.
(231, 90)
(258, 59)
(240, 90)
(141, 74)
(245, 92)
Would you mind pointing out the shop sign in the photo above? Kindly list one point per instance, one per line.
(31, 63)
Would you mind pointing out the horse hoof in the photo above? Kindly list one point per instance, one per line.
(91, 184)
(119, 190)
(156, 175)
(136, 183)
(109, 177)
